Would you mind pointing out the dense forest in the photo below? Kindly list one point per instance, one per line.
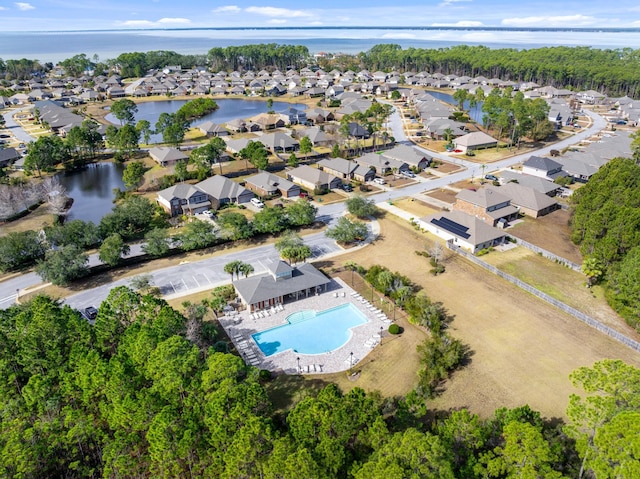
(615, 72)
(148, 392)
(606, 225)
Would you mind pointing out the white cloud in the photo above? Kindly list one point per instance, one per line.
(446, 3)
(3, 8)
(277, 21)
(137, 23)
(316, 24)
(24, 6)
(552, 21)
(227, 9)
(461, 23)
(182, 21)
(277, 12)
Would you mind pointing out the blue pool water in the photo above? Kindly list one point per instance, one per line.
(308, 332)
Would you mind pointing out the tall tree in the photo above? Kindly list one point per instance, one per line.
(124, 110)
(112, 249)
(45, 153)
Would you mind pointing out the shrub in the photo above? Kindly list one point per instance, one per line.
(394, 329)
(437, 270)
(264, 375)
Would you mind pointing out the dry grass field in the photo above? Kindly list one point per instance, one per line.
(550, 232)
(523, 350)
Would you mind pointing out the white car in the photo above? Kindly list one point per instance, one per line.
(407, 173)
(208, 213)
(380, 181)
(257, 203)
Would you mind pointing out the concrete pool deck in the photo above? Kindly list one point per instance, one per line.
(364, 337)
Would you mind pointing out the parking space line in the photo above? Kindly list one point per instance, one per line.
(196, 280)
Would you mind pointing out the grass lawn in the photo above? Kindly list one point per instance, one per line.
(443, 194)
(35, 220)
(415, 207)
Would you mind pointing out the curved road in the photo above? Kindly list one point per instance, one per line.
(208, 273)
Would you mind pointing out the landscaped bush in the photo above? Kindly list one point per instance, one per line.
(394, 329)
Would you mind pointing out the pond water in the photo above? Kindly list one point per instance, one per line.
(475, 113)
(92, 190)
(228, 109)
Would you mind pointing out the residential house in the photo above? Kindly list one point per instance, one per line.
(267, 184)
(381, 164)
(543, 167)
(346, 169)
(8, 156)
(313, 179)
(281, 283)
(546, 187)
(166, 156)
(474, 141)
(315, 135)
(295, 116)
(279, 142)
(408, 154)
(211, 129)
(463, 230)
(487, 205)
(221, 191)
(183, 198)
(530, 201)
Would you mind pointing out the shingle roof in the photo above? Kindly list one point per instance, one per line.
(264, 287)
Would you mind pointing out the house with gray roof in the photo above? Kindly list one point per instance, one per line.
(279, 142)
(474, 141)
(530, 202)
(221, 191)
(315, 135)
(313, 179)
(490, 206)
(543, 167)
(210, 129)
(381, 164)
(463, 230)
(409, 155)
(347, 169)
(580, 170)
(546, 187)
(166, 156)
(8, 156)
(183, 198)
(281, 283)
(266, 184)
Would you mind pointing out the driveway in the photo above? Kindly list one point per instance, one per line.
(15, 129)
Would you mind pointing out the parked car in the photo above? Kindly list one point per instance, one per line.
(257, 203)
(379, 181)
(90, 313)
(347, 187)
(407, 173)
(491, 177)
(208, 213)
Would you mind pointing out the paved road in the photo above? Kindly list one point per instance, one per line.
(16, 129)
(205, 274)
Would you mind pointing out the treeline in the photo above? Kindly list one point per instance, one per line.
(258, 57)
(606, 226)
(136, 64)
(59, 251)
(611, 71)
(147, 392)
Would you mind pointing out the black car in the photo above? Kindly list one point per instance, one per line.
(491, 177)
(347, 187)
(90, 313)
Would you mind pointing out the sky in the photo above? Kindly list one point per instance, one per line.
(56, 15)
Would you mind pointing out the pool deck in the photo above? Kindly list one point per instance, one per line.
(364, 337)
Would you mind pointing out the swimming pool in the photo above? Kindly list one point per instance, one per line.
(311, 332)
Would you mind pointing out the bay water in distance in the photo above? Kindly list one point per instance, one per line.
(108, 44)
